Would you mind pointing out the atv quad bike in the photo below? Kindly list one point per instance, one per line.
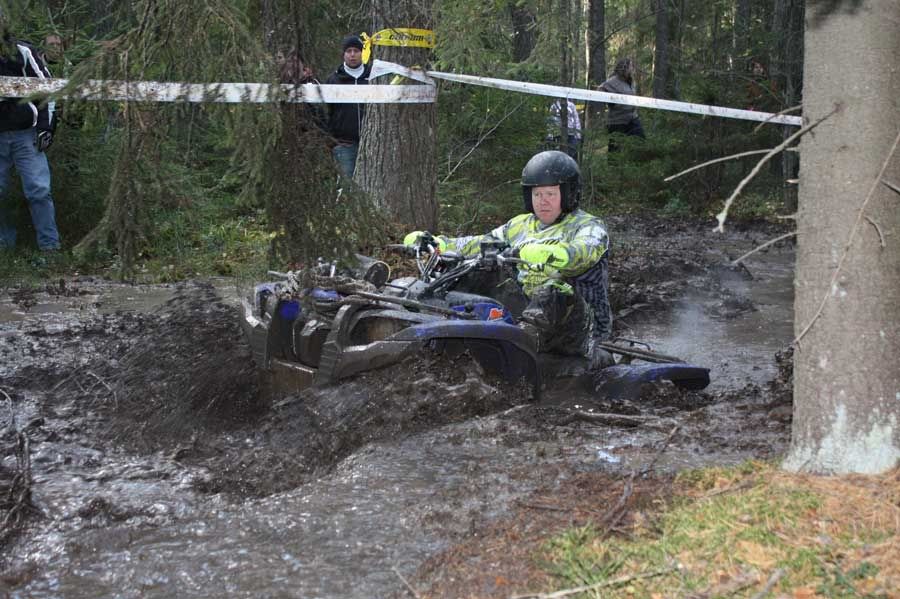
(318, 326)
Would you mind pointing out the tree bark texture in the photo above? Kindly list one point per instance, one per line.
(524, 31)
(661, 54)
(741, 34)
(596, 55)
(847, 366)
(397, 163)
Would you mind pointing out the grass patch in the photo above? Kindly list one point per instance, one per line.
(730, 532)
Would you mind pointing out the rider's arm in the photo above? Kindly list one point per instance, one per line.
(470, 245)
(587, 246)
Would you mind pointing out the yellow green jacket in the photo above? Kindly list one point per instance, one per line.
(583, 235)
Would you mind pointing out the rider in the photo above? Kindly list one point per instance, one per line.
(565, 250)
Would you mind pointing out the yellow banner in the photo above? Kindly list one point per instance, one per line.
(399, 36)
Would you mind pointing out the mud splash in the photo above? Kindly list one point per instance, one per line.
(157, 465)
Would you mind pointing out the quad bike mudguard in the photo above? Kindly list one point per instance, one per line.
(500, 348)
(624, 381)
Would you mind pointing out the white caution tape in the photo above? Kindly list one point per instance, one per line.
(381, 67)
(156, 91)
(233, 93)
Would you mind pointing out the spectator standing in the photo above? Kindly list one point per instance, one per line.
(26, 131)
(573, 126)
(622, 119)
(345, 120)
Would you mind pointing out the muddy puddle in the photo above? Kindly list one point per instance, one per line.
(158, 470)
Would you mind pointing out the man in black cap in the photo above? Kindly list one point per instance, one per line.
(345, 120)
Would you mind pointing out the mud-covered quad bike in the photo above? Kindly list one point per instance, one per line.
(319, 325)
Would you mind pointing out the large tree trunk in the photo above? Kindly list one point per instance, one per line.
(596, 55)
(661, 54)
(847, 371)
(397, 162)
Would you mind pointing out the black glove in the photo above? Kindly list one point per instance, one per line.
(43, 140)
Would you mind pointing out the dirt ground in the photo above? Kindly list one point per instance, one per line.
(177, 382)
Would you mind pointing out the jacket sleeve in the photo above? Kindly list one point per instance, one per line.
(470, 246)
(589, 243)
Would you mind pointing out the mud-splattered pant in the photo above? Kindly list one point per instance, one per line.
(570, 323)
(593, 286)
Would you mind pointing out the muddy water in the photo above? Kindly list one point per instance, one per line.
(123, 524)
(736, 336)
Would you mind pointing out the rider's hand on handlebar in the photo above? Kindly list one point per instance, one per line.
(552, 254)
(423, 239)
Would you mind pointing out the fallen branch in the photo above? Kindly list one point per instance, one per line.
(770, 584)
(612, 419)
(20, 488)
(859, 216)
(409, 587)
(724, 213)
(599, 585)
(762, 247)
(12, 415)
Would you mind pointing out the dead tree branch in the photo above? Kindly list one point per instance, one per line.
(481, 139)
(785, 111)
(892, 186)
(709, 162)
(762, 247)
(853, 230)
(405, 582)
(724, 213)
(599, 585)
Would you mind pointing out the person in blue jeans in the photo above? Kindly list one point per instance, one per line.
(26, 131)
(345, 120)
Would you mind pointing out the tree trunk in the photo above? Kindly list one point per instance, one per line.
(847, 372)
(596, 56)
(397, 164)
(524, 31)
(661, 55)
(741, 35)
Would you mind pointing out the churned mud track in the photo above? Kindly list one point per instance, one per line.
(152, 412)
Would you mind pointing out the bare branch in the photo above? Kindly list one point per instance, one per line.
(762, 247)
(709, 162)
(785, 111)
(481, 139)
(893, 187)
(773, 579)
(877, 230)
(592, 587)
(408, 586)
(724, 213)
(846, 252)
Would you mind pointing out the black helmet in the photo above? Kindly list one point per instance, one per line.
(553, 168)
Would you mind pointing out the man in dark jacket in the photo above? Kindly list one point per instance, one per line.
(345, 120)
(26, 131)
(622, 119)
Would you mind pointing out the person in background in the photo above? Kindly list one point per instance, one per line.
(622, 119)
(573, 126)
(26, 131)
(345, 120)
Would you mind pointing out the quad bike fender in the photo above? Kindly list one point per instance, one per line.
(624, 381)
(499, 347)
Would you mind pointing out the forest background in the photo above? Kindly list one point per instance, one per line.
(165, 191)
